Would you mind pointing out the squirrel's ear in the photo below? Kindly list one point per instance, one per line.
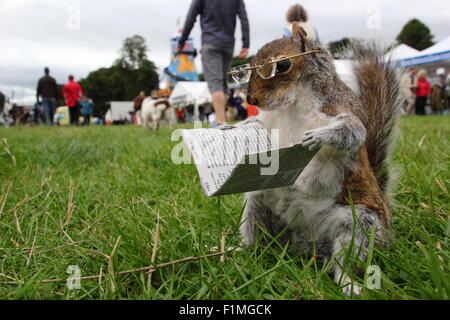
(298, 33)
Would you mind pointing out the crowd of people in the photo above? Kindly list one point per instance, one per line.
(419, 92)
(72, 92)
(236, 109)
(47, 96)
(217, 51)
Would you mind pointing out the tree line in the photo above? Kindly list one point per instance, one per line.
(414, 34)
(131, 73)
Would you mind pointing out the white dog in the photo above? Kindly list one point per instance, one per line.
(155, 110)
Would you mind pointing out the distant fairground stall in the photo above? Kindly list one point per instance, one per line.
(182, 65)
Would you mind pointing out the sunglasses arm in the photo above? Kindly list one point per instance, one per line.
(272, 62)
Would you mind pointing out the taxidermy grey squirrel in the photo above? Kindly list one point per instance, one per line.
(341, 197)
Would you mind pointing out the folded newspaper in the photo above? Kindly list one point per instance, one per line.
(244, 158)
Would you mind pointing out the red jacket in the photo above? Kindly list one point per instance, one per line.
(72, 92)
(423, 87)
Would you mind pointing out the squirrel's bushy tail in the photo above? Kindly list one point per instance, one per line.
(382, 101)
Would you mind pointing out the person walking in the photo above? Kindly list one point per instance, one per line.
(87, 107)
(73, 93)
(423, 89)
(298, 15)
(39, 113)
(447, 90)
(237, 102)
(218, 24)
(208, 111)
(190, 113)
(48, 90)
(439, 98)
(2, 102)
(14, 112)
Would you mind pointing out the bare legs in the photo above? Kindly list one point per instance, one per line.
(219, 102)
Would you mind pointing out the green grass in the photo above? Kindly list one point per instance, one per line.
(119, 179)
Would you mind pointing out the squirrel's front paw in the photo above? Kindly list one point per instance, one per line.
(314, 138)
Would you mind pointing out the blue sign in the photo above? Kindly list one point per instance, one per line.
(431, 58)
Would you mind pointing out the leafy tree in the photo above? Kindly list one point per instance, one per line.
(337, 47)
(129, 75)
(416, 34)
(104, 85)
(133, 53)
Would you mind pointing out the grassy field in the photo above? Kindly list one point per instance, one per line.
(91, 197)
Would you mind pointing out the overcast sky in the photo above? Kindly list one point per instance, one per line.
(39, 33)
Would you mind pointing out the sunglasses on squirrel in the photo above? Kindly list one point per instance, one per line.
(241, 74)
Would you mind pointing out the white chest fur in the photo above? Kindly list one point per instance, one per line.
(292, 120)
(321, 181)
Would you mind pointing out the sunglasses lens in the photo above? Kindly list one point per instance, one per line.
(284, 66)
(267, 71)
(240, 74)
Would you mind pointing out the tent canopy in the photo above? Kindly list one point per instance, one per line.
(439, 47)
(402, 51)
(187, 92)
(439, 53)
(120, 110)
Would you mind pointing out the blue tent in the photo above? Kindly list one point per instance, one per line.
(439, 53)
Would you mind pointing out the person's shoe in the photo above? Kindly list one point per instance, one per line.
(215, 125)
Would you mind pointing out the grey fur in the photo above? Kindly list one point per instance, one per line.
(258, 219)
(347, 133)
(316, 223)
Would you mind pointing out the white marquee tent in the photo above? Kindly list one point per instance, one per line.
(439, 55)
(401, 52)
(186, 93)
(119, 111)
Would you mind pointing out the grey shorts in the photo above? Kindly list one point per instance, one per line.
(216, 63)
